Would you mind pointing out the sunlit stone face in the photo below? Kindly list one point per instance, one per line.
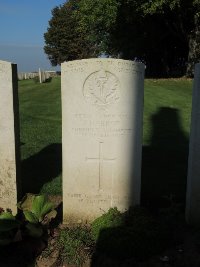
(102, 108)
(9, 136)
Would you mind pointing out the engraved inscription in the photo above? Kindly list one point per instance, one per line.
(106, 126)
(110, 199)
(81, 65)
(76, 67)
(128, 67)
(100, 160)
(100, 132)
(101, 88)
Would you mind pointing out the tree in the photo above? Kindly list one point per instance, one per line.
(163, 33)
(182, 20)
(158, 32)
(97, 20)
(64, 40)
(79, 30)
(194, 41)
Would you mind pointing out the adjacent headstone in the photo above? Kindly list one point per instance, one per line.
(43, 76)
(193, 180)
(102, 110)
(20, 76)
(9, 137)
(40, 76)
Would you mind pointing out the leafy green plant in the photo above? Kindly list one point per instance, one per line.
(37, 208)
(38, 212)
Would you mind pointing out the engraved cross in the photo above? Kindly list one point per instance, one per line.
(101, 159)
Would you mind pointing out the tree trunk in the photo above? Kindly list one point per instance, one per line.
(194, 51)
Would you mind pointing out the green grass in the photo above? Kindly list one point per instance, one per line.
(75, 245)
(167, 112)
(136, 233)
(167, 109)
(174, 94)
(40, 123)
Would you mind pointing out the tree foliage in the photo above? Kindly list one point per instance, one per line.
(165, 34)
(164, 45)
(64, 39)
(97, 19)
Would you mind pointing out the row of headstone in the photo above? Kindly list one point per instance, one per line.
(43, 76)
(26, 75)
(102, 107)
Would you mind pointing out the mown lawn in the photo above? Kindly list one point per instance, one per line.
(167, 108)
(167, 97)
(167, 112)
(40, 123)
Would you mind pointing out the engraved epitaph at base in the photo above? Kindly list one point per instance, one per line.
(102, 109)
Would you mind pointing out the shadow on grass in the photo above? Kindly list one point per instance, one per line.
(164, 162)
(136, 235)
(41, 168)
(164, 172)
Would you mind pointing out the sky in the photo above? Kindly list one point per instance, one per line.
(22, 27)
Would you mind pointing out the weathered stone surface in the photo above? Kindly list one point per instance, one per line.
(102, 108)
(193, 180)
(9, 136)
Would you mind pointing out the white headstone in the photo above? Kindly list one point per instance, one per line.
(40, 76)
(102, 110)
(9, 137)
(193, 180)
(43, 76)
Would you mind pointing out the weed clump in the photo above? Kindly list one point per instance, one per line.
(75, 245)
(110, 219)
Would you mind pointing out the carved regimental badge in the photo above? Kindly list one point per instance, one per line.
(101, 88)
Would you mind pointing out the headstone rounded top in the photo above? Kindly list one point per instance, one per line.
(5, 62)
(139, 65)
